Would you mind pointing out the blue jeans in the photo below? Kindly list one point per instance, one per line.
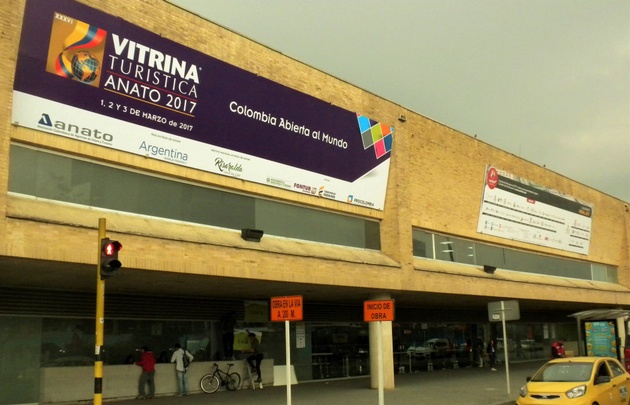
(182, 381)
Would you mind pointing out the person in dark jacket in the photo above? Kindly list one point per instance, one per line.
(147, 362)
(492, 354)
(256, 356)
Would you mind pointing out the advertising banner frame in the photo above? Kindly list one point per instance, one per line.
(515, 208)
(89, 76)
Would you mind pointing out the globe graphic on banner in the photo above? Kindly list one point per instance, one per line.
(85, 67)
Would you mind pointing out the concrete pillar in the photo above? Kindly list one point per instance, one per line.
(622, 341)
(387, 344)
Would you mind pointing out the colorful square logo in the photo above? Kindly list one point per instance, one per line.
(376, 135)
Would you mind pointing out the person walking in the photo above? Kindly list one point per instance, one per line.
(492, 354)
(181, 367)
(147, 362)
(256, 356)
(479, 353)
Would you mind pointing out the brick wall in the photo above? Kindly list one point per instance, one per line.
(436, 179)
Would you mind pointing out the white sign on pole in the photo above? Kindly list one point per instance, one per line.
(300, 335)
(504, 310)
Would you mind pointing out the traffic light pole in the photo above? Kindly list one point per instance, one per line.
(100, 318)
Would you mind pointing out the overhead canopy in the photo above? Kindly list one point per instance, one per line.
(596, 315)
(600, 314)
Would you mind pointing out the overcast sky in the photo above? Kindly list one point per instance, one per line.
(547, 80)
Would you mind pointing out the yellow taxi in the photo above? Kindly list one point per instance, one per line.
(577, 381)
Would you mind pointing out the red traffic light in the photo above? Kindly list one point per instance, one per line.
(109, 262)
(111, 248)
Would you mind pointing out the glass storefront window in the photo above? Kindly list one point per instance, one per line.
(70, 342)
(20, 340)
(329, 350)
(339, 350)
(422, 346)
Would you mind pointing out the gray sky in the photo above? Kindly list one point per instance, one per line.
(547, 80)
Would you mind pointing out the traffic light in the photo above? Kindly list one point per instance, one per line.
(109, 257)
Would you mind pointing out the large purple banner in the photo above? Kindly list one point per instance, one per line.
(84, 74)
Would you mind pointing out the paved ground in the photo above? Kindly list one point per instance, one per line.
(463, 386)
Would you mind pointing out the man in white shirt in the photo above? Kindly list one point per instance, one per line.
(180, 369)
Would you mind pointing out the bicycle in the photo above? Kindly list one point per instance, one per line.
(211, 382)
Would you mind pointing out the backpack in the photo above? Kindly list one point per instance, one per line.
(185, 358)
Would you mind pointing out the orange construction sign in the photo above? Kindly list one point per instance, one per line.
(381, 310)
(286, 308)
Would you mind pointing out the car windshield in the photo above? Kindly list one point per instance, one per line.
(564, 372)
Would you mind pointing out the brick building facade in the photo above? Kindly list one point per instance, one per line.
(48, 247)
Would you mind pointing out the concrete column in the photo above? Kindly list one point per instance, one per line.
(387, 344)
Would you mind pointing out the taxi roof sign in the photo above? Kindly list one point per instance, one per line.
(286, 308)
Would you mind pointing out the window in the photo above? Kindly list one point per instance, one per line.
(459, 250)
(616, 369)
(52, 176)
(70, 342)
(602, 371)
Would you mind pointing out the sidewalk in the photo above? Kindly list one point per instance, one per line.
(463, 386)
